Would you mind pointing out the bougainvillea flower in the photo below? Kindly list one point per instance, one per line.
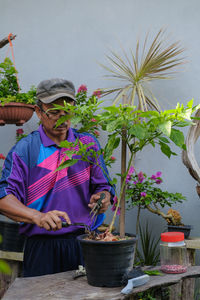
(97, 93)
(2, 156)
(82, 88)
(158, 174)
(19, 131)
(143, 194)
(130, 172)
(158, 181)
(93, 120)
(140, 177)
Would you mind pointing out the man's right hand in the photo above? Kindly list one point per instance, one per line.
(50, 220)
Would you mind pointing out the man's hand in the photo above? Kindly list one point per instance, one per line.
(50, 220)
(105, 201)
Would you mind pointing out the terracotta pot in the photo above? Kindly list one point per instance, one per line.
(15, 113)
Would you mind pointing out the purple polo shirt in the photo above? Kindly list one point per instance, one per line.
(29, 174)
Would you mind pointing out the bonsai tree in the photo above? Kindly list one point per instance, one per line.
(143, 192)
(9, 87)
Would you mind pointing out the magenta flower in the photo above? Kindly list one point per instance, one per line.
(140, 177)
(158, 174)
(113, 208)
(97, 93)
(113, 158)
(158, 181)
(82, 88)
(155, 177)
(19, 132)
(143, 194)
(130, 172)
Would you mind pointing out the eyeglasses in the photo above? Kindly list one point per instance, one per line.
(53, 114)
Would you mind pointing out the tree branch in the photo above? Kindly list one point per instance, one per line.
(5, 41)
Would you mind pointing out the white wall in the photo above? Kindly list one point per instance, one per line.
(67, 38)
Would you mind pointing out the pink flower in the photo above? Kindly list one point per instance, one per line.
(97, 93)
(143, 194)
(93, 120)
(2, 156)
(82, 88)
(140, 177)
(157, 178)
(158, 174)
(113, 208)
(19, 131)
(130, 172)
(113, 158)
(158, 181)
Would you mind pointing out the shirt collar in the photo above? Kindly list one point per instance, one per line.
(46, 141)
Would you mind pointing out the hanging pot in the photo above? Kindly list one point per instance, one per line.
(106, 263)
(15, 113)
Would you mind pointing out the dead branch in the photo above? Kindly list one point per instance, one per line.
(5, 41)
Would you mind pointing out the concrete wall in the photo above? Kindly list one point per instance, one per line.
(67, 38)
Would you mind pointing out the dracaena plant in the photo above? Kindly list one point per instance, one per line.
(134, 73)
(142, 129)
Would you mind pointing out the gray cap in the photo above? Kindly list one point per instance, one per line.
(53, 89)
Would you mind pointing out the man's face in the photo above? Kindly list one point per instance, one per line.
(49, 120)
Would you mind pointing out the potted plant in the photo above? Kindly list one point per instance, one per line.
(15, 107)
(143, 192)
(142, 129)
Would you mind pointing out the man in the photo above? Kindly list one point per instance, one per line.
(33, 193)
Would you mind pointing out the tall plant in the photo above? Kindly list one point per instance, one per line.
(134, 73)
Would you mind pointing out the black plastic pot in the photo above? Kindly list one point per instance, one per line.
(185, 229)
(11, 239)
(107, 262)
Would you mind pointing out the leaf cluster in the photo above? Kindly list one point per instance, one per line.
(9, 90)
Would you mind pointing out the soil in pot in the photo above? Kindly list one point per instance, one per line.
(106, 262)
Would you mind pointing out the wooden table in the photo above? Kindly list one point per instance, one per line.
(14, 259)
(63, 286)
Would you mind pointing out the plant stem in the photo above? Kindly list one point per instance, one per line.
(123, 171)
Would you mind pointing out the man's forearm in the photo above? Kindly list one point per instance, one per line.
(11, 207)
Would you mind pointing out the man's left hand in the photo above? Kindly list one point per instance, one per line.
(105, 202)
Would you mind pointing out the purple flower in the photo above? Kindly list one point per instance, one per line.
(143, 194)
(140, 177)
(158, 174)
(153, 177)
(158, 181)
(130, 172)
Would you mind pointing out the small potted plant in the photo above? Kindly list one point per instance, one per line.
(143, 191)
(15, 107)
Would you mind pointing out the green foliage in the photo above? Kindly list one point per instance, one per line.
(150, 254)
(9, 91)
(142, 129)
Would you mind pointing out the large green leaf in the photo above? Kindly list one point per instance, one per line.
(177, 137)
(138, 131)
(165, 127)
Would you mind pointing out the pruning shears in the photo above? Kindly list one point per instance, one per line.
(97, 206)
